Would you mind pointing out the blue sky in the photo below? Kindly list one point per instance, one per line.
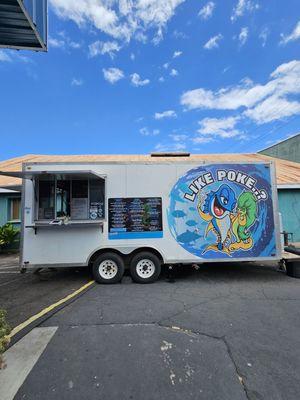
(155, 75)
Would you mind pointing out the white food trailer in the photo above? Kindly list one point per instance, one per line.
(110, 215)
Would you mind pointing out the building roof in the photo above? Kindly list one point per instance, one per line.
(281, 141)
(287, 172)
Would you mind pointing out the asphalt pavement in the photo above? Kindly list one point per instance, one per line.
(23, 295)
(222, 332)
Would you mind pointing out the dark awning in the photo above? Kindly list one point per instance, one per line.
(23, 24)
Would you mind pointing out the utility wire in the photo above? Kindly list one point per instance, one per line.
(239, 146)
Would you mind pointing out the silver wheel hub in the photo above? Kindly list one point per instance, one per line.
(145, 268)
(108, 269)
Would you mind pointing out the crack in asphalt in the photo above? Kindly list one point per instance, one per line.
(171, 294)
(189, 332)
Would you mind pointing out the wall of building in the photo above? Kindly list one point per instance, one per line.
(5, 207)
(287, 150)
(289, 206)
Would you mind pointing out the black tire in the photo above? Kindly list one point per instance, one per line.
(136, 268)
(113, 261)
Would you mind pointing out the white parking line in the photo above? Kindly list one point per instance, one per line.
(10, 267)
(9, 272)
(21, 358)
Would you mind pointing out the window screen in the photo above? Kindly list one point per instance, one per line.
(79, 199)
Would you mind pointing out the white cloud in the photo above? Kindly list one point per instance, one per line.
(222, 127)
(243, 36)
(76, 82)
(173, 146)
(57, 43)
(179, 35)
(213, 42)
(63, 42)
(243, 7)
(295, 35)
(146, 132)
(112, 75)
(173, 72)
(207, 10)
(136, 80)
(262, 103)
(165, 114)
(202, 139)
(101, 48)
(166, 65)
(141, 37)
(177, 143)
(177, 53)
(178, 137)
(4, 56)
(264, 34)
(158, 37)
(161, 79)
(74, 45)
(273, 108)
(132, 57)
(122, 19)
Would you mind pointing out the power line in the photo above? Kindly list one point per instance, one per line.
(268, 133)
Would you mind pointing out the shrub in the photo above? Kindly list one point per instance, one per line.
(8, 235)
(4, 332)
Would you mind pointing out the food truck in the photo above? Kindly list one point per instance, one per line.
(141, 215)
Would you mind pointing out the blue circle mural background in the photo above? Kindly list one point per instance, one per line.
(188, 227)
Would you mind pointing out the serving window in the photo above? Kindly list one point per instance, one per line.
(74, 198)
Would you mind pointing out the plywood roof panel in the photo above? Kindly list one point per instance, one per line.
(288, 173)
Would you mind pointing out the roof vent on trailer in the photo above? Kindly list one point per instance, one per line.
(171, 154)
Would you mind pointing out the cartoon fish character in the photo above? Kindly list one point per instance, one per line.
(178, 214)
(243, 220)
(188, 236)
(216, 210)
(191, 222)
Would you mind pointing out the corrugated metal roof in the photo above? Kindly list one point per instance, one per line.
(17, 30)
(288, 173)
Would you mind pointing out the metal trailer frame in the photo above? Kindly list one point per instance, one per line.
(126, 250)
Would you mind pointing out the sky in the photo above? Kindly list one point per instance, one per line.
(139, 76)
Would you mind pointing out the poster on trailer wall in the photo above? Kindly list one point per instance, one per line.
(224, 211)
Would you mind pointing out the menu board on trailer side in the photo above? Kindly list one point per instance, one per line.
(135, 217)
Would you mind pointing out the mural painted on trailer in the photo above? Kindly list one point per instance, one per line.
(224, 211)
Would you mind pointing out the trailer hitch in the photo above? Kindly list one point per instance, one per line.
(292, 249)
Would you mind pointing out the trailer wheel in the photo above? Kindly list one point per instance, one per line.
(108, 268)
(145, 267)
